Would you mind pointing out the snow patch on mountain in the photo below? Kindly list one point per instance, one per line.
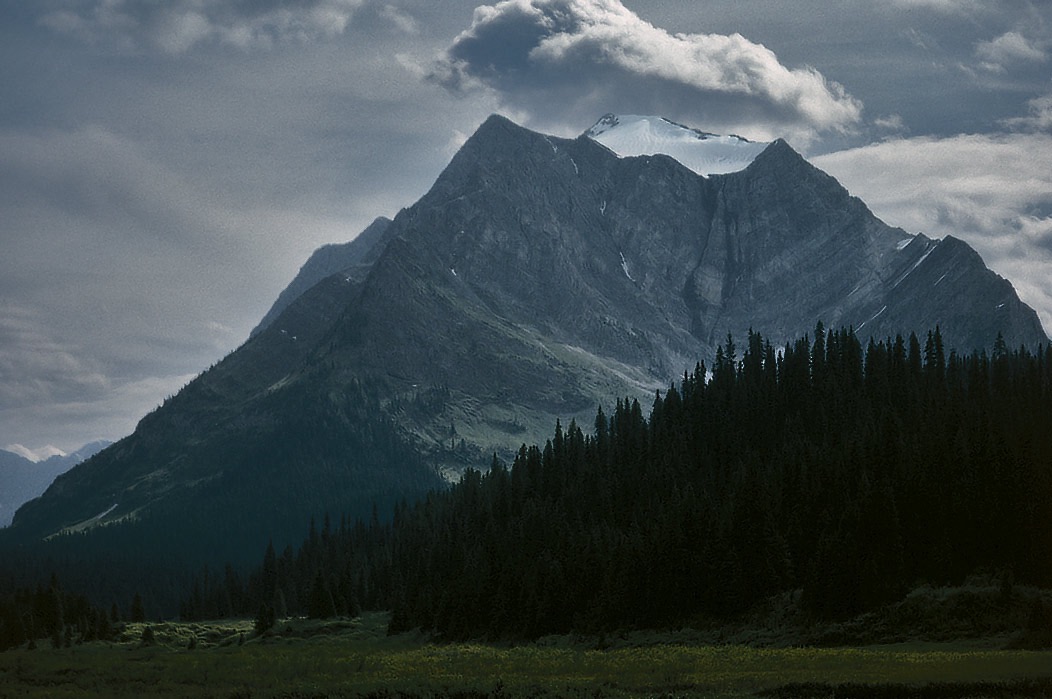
(704, 153)
(624, 266)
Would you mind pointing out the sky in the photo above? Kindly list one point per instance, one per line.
(165, 168)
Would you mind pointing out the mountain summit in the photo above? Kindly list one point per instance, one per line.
(704, 153)
(538, 279)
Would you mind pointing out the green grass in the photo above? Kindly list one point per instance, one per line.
(356, 658)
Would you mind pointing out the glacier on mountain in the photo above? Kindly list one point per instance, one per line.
(704, 153)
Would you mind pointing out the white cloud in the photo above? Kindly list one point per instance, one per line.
(179, 31)
(993, 191)
(891, 122)
(401, 20)
(580, 58)
(949, 7)
(179, 26)
(1039, 118)
(1008, 49)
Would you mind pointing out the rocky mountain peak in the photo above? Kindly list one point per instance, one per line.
(538, 279)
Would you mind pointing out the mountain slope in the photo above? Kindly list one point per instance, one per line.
(538, 278)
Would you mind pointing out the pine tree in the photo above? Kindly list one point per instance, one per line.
(320, 602)
(138, 611)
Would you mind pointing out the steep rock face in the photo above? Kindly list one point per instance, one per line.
(948, 285)
(788, 246)
(537, 279)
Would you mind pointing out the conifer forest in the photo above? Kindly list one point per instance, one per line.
(851, 472)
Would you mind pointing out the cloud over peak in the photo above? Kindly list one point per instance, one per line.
(585, 57)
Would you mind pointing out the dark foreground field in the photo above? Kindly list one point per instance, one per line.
(357, 659)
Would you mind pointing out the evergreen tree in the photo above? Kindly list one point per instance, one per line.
(321, 604)
(138, 611)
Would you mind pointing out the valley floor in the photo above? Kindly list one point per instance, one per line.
(355, 658)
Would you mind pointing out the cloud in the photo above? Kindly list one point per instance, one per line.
(36, 368)
(179, 26)
(576, 59)
(48, 379)
(890, 123)
(1039, 119)
(94, 226)
(1008, 49)
(399, 19)
(949, 7)
(994, 191)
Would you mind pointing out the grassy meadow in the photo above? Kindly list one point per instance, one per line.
(356, 658)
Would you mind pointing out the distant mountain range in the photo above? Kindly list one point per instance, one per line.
(538, 279)
(22, 479)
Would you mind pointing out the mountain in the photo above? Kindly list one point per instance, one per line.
(22, 480)
(538, 279)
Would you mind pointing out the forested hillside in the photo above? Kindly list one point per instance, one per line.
(851, 472)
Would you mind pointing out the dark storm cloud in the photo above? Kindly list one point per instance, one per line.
(584, 57)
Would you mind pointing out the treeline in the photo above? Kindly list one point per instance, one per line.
(337, 571)
(48, 613)
(851, 472)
